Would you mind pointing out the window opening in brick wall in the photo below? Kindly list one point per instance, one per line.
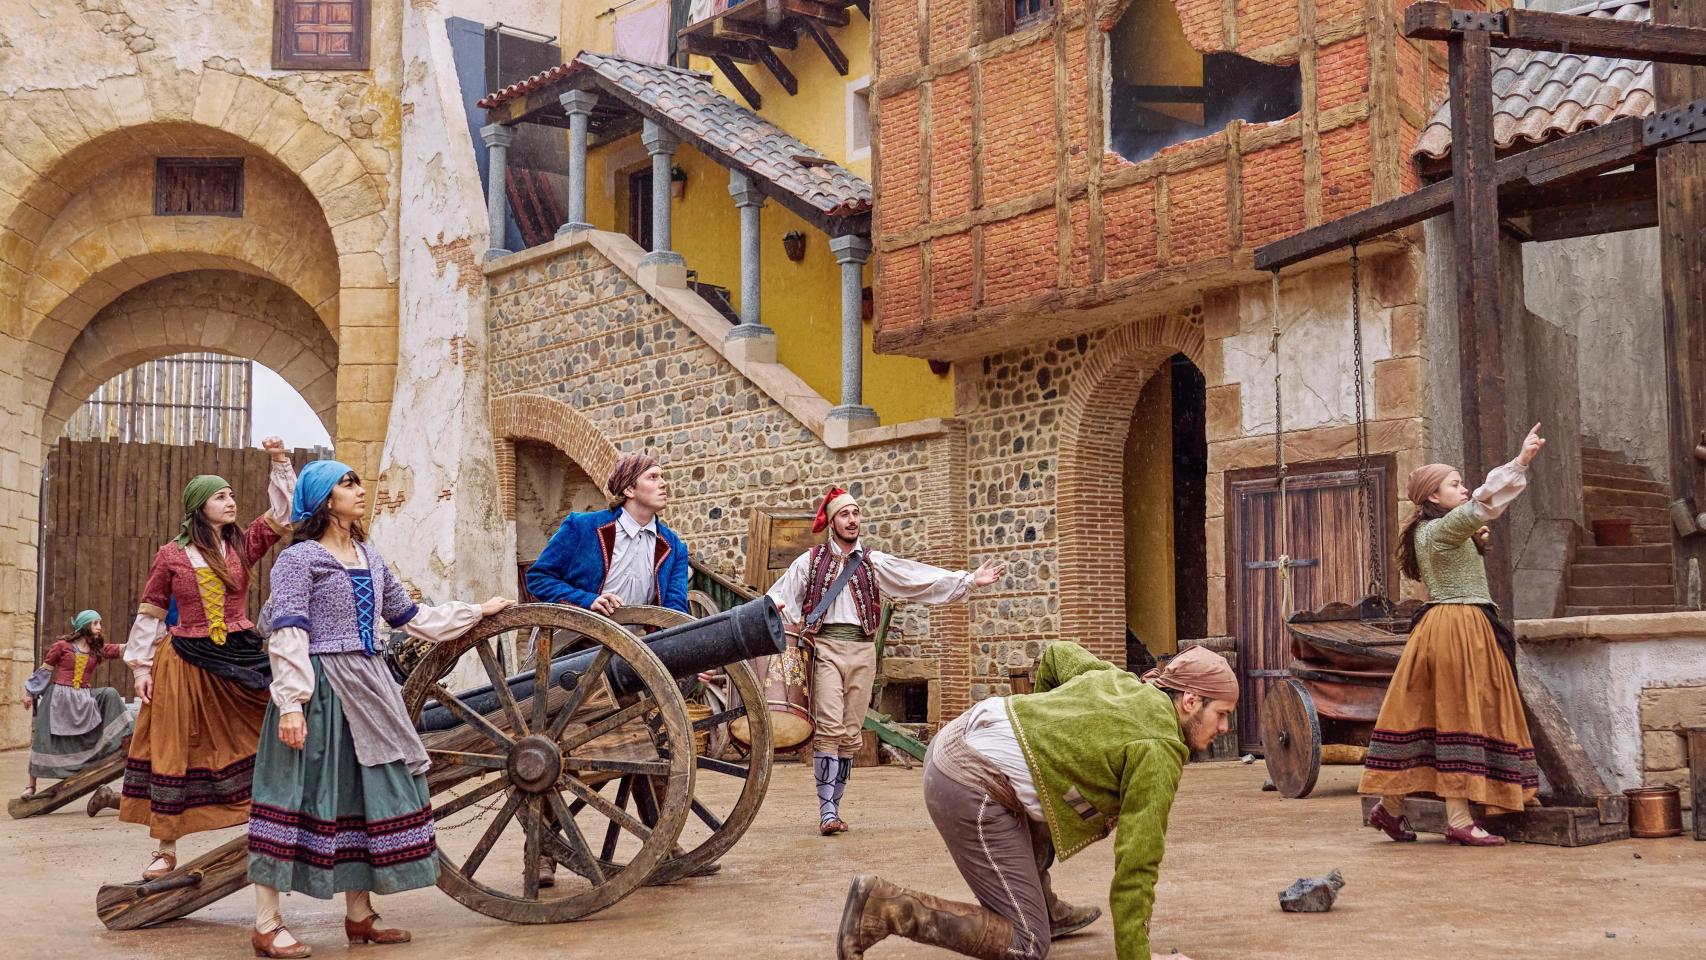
(198, 186)
(1162, 91)
(859, 119)
(1028, 13)
(320, 35)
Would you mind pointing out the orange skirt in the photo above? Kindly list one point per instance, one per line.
(1452, 723)
(192, 757)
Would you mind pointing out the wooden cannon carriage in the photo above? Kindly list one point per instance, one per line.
(1342, 658)
(536, 762)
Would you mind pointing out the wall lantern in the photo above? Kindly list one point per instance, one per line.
(794, 245)
(677, 182)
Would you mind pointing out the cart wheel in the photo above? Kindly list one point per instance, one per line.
(719, 820)
(1291, 736)
(531, 769)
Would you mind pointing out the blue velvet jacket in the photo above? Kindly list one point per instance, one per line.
(572, 567)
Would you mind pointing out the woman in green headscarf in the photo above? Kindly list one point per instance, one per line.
(203, 694)
(76, 724)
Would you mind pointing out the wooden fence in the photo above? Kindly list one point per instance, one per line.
(107, 507)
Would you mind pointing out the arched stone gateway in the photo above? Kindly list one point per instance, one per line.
(1093, 431)
(93, 280)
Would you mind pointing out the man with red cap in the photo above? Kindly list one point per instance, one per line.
(1015, 780)
(835, 592)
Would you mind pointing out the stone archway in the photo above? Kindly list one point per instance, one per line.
(204, 310)
(1094, 426)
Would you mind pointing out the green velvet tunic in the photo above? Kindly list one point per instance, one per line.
(1451, 567)
(1102, 746)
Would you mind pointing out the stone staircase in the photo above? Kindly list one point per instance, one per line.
(1632, 579)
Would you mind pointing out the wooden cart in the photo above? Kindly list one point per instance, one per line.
(1342, 658)
(585, 769)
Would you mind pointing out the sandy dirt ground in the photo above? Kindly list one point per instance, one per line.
(1231, 849)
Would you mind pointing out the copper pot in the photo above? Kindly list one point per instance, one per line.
(1655, 812)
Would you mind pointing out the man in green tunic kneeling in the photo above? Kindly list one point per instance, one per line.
(1016, 780)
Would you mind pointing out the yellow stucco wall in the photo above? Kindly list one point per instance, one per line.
(802, 301)
(1150, 590)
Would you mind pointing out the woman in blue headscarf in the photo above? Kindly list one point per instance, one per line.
(340, 802)
(77, 724)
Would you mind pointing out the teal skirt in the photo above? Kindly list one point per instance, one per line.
(56, 757)
(322, 823)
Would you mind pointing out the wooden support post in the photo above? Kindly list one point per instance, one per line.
(1475, 212)
(826, 43)
(1682, 252)
(780, 70)
(740, 81)
(1697, 778)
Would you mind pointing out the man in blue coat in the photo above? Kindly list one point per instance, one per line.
(624, 555)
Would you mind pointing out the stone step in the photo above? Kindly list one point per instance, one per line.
(1643, 516)
(1651, 533)
(1621, 596)
(1612, 482)
(1645, 553)
(1612, 468)
(1596, 496)
(1610, 611)
(1601, 453)
(1620, 574)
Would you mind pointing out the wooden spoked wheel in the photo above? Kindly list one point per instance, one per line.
(529, 769)
(721, 812)
(1291, 737)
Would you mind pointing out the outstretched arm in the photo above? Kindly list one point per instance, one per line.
(1503, 485)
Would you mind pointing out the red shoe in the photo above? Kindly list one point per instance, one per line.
(1398, 828)
(831, 827)
(369, 931)
(1465, 836)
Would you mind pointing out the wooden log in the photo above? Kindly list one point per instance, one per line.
(1475, 211)
(77, 785)
(1682, 249)
(1551, 826)
(1570, 774)
(204, 880)
(1561, 33)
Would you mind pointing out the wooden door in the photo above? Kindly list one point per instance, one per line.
(775, 538)
(1327, 541)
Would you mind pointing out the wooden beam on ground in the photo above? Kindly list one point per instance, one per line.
(826, 43)
(740, 81)
(1682, 251)
(1552, 826)
(1589, 153)
(1562, 33)
(77, 785)
(778, 69)
(1570, 775)
(700, 45)
(1480, 284)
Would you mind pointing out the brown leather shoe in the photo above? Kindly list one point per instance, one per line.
(102, 799)
(877, 909)
(265, 946)
(831, 827)
(365, 931)
(1065, 919)
(169, 863)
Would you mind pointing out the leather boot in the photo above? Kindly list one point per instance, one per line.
(1064, 919)
(102, 799)
(877, 909)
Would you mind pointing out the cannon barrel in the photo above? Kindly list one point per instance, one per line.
(751, 630)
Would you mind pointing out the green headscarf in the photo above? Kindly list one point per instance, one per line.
(196, 494)
(81, 621)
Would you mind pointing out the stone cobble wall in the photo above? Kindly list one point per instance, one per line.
(584, 358)
(1666, 712)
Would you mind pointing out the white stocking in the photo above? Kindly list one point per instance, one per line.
(267, 915)
(357, 905)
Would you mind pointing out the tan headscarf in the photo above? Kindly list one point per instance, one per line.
(626, 472)
(1198, 670)
(1425, 481)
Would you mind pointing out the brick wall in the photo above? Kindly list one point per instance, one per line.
(1011, 155)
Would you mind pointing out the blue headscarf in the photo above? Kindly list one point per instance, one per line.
(82, 620)
(314, 486)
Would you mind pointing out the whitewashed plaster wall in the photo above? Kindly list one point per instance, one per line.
(1606, 290)
(1317, 382)
(438, 511)
(1598, 682)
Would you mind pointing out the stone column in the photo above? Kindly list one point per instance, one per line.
(851, 414)
(498, 138)
(578, 105)
(662, 265)
(750, 339)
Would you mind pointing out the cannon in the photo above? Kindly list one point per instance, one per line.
(607, 750)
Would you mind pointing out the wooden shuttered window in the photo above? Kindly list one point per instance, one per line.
(198, 186)
(320, 34)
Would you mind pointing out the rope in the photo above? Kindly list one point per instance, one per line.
(1285, 591)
